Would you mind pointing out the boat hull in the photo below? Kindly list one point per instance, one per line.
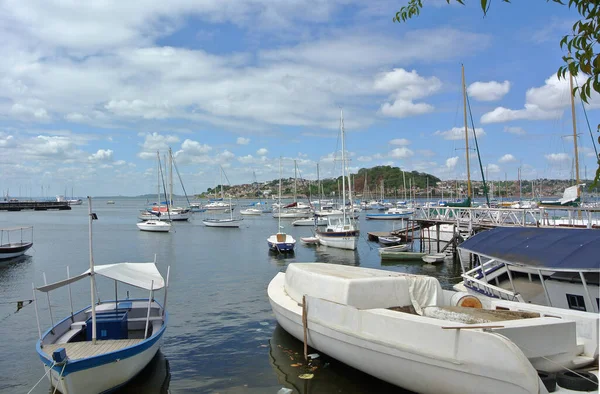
(14, 250)
(225, 223)
(342, 240)
(155, 228)
(399, 364)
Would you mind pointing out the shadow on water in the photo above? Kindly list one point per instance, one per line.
(154, 379)
(324, 254)
(329, 375)
(7, 265)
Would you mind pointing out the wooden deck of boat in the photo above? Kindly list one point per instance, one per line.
(77, 350)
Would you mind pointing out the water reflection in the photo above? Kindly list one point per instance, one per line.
(329, 375)
(8, 264)
(154, 379)
(324, 254)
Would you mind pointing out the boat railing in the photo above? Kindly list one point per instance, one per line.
(542, 216)
(490, 290)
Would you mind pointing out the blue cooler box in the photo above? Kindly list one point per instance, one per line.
(109, 325)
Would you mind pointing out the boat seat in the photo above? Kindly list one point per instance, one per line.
(281, 237)
(474, 315)
(67, 336)
(136, 319)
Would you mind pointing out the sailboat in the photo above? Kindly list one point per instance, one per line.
(175, 213)
(281, 242)
(217, 204)
(230, 222)
(154, 224)
(341, 231)
(104, 345)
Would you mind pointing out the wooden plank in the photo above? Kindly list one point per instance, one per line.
(78, 350)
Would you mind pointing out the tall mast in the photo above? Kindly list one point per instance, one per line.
(158, 179)
(295, 177)
(319, 187)
(170, 202)
(404, 183)
(92, 279)
(577, 180)
(279, 215)
(464, 85)
(222, 195)
(343, 166)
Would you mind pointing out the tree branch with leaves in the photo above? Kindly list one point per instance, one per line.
(582, 57)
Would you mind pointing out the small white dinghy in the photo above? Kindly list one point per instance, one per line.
(405, 329)
(155, 225)
(103, 346)
(309, 240)
(434, 258)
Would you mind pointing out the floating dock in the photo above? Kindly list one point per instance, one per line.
(34, 205)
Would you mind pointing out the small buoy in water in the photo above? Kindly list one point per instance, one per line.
(313, 356)
(306, 376)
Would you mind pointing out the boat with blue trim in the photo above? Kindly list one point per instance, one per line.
(103, 346)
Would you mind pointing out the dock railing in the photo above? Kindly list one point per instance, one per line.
(503, 217)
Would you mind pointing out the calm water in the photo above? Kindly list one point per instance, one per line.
(222, 336)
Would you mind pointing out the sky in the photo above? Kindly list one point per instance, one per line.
(90, 91)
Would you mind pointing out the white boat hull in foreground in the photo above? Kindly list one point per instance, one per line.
(348, 319)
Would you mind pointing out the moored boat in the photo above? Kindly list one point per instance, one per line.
(22, 240)
(106, 344)
(155, 225)
(434, 258)
(354, 315)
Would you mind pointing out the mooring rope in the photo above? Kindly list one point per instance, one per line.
(59, 377)
(38, 382)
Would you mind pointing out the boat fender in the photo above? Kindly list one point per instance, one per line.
(549, 380)
(581, 381)
(466, 300)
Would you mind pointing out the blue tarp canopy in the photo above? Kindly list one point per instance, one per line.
(548, 248)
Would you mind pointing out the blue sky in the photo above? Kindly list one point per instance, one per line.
(89, 93)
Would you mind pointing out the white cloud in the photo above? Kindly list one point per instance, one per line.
(246, 159)
(364, 159)
(400, 153)
(400, 142)
(557, 157)
(262, 152)
(458, 133)
(488, 91)
(514, 130)
(102, 155)
(155, 142)
(541, 103)
(451, 162)
(243, 141)
(7, 141)
(507, 158)
(195, 148)
(405, 87)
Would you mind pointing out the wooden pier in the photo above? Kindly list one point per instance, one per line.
(34, 205)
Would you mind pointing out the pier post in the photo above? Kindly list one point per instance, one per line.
(437, 233)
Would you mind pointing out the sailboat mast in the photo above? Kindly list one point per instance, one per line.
(279, 215)
(158, 179)
(404, 183)
(574, 133)
(295, 180)
(464, 85)
(343, 166)
(170, 202)
(92, 279)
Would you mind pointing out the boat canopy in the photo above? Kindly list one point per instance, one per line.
(139, 275)
(556, 249)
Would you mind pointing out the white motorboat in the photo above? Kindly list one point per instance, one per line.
(22, 240)
(405, 329)
(390, 240)
(226, 222)
(434, 258)
(251, 212)
(557, 267)
(155, 225)
(309, 240)
(316, 221)
(104, 345)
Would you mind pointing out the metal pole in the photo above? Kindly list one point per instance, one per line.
(511, 279)
(166, 288)
(116, 297)
(70, 298)
(37, 315)
(92, 281)
(148, 313)
(544, 287)
(49, 306)
(587, 293)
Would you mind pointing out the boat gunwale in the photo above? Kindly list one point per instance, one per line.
(76, 365)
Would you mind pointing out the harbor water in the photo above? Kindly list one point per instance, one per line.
(222, 336)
